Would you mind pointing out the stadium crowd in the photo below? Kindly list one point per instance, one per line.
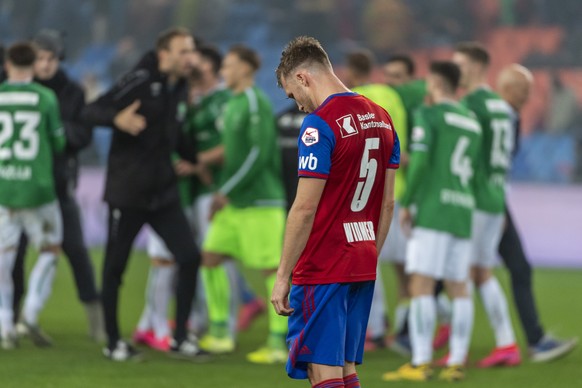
(199, 155)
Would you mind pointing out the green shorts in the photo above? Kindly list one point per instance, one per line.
(253, 235)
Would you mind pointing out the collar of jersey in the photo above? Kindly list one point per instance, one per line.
(329, 98)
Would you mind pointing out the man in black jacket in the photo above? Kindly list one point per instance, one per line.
(146, 108)
(50, 51)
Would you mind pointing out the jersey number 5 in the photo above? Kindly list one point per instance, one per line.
(368, 168)
(26, 146)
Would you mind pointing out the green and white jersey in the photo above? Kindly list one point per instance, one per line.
(30, 133)
(203, 124)
(251, 175)
(497, 146)
(444, 151)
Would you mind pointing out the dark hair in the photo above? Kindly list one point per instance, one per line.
(474, 50)
(164, 39)
(21, 54)
(448, 71)
(406, 60)
(246, 54)
(301, 50)
(50, 40)
(212, 54)
(361, 62)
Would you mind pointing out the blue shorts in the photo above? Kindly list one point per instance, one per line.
(328, 325)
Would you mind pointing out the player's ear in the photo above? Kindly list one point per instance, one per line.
(301, 79)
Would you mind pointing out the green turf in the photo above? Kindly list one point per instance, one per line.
(75, 361)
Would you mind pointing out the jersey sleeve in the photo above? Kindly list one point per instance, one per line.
(394, 161)
(54, 124)
(316, 144)
(420, 142)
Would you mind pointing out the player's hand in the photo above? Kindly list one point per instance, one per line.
(129, 121)
(280, 298)
(405, 221)
(218, 202)
(185, 168)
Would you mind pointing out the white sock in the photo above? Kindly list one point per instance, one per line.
(377, 320)
(40, 286)
(495, 305)
(444, 309)
(145, 320)
(162, 293)
(461, 329)
(401, 315)
(421, 321)
(7, 259)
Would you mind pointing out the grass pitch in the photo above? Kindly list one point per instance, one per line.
(75, 361)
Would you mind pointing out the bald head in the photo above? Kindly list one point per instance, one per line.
(514, 85)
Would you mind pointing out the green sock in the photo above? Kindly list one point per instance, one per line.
(277, 323)
(217, 288)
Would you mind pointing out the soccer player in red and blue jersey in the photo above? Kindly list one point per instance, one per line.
(348, 153)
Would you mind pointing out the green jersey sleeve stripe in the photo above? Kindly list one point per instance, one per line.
(19, 98)
(242, 171)
(419, 147)
(462, 122)
(253, 101)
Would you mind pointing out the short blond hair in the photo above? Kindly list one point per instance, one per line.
(300, 51)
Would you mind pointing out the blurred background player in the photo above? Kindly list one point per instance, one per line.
(359, 67)
(50, 51)
(205, 119)
(249, 206)
(32, 134)
(444, 150)
(514, 85)
(147, 108)
(490, 180)
(332, 239)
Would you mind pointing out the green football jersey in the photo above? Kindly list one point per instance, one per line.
(251, 175)
(387, 98)
(30, 133)
(203, 123)
(412, 94)
(444, 151)
(495, 160)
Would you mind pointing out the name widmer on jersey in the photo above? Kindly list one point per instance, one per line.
(372, 124)
(359, 231)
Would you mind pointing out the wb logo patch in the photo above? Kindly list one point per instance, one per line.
(310, 136)
(347, 125)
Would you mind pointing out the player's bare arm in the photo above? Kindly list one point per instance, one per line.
(214, 155)
(387, 211)
(298, 229)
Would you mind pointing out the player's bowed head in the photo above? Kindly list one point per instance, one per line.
(306, 75)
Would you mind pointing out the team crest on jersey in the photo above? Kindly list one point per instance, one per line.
(310, 136)
(417, 134)
(347, 125)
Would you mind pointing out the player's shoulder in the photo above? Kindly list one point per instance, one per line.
(45, 95)
(256, 100)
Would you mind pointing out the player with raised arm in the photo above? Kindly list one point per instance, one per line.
(30, 134)
(445, 146)
(338, 223)
(490, 180)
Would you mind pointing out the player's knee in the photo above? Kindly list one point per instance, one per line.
(481, 275)
(55, 249)
(457, 289)
(211, 260)
(161, 262)
(420, 285)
